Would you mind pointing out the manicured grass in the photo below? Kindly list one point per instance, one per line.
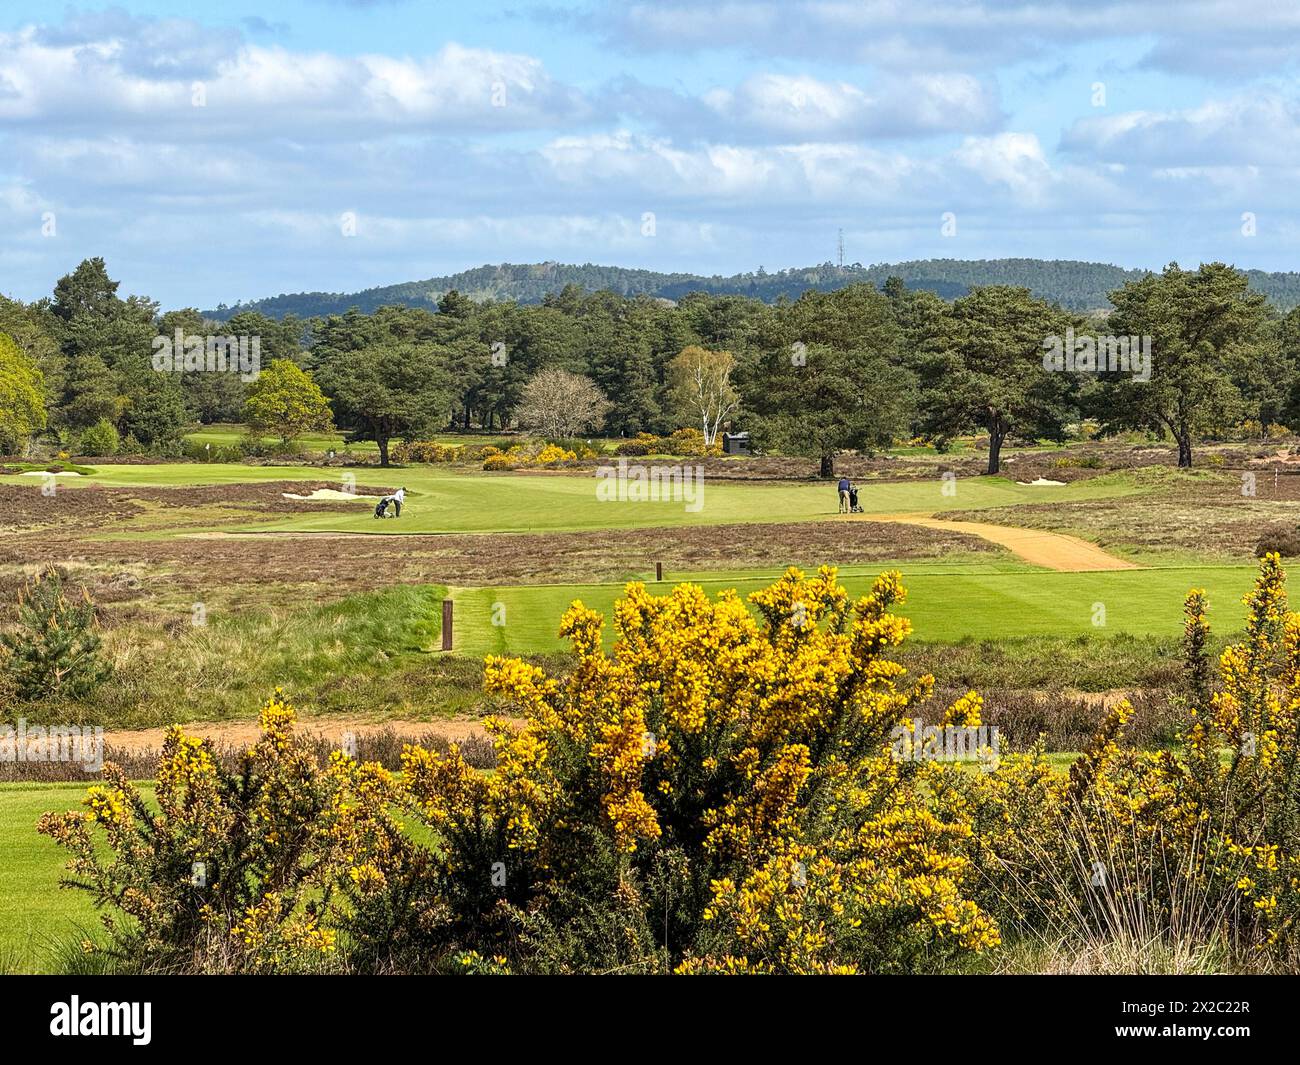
(449, 500)
(444, 501)
(36, 915)
(944, 605)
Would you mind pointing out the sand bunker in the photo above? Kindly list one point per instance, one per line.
(49, 473)
(327, 493)
(1040, 481)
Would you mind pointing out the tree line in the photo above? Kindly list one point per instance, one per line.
(1075, 285)
(856, 368)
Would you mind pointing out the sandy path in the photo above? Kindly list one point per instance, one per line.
(1050, 550)
(244, 733)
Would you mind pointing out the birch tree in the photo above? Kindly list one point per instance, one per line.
(700, 385)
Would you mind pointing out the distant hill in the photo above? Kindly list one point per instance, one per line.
(1078, 286)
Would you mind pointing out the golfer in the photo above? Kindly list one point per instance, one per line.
(398, 498)
(845, 486)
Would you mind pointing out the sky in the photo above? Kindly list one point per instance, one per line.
(219, 151)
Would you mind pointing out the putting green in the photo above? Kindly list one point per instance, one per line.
(944, 605)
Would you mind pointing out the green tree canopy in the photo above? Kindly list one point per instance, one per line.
(285, 400)
(1202, 323)
(827, 377)
(155, 413)
(22, 396)
(388, 390)
(107, 344)
(828, 400)
(981, 367)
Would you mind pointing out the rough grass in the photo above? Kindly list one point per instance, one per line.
(374, 653)
(371, 653)
(1116, 956)
(1092, 662)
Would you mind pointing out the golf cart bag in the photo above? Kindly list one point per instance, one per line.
(380, 507)
(853, 501)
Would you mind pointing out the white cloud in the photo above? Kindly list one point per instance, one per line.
(1257, 129)
(267, 91)
(807, 108)
(1014, 160)
(738, 175)
(97, 123)
(1191, 36)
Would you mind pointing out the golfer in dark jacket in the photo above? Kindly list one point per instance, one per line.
(844, 495)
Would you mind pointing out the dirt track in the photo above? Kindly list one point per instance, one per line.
(245, 733)
(1068, 554)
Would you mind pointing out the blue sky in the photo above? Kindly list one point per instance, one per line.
(212, 151)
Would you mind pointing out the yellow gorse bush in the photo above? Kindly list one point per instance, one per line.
(427, 451)
(748, 749)
(535, 454)
(245, 867)
(1199, 845)
(716, 788)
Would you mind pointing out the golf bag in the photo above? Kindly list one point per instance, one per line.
(853, 501)
(381, 507)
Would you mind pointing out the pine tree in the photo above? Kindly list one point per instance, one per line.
(55, 650)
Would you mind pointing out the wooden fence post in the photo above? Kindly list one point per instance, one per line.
(446, 624)
(659, 571)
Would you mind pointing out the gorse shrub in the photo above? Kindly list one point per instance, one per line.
(554, 455)
(244, 869)
(687, 443)
(536, 454)
(427, 451)
(641, 444)
(715, 794)
(1188, 850)
(54, 651)
(718, 791)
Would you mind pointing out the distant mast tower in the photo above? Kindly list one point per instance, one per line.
(840, 248)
